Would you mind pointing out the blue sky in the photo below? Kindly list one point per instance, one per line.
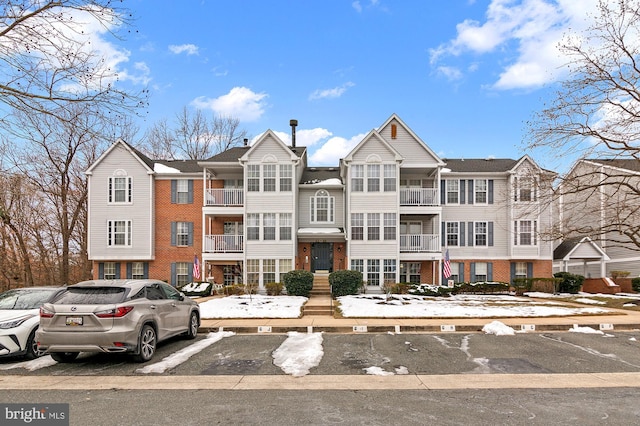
(465, 75)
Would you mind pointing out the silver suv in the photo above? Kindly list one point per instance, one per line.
(129, 316)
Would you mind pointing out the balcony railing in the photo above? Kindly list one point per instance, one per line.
(224, 197)
(420, 243)
(223, 243)
(419, 197)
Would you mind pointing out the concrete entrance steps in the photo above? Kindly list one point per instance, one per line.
(319, 302)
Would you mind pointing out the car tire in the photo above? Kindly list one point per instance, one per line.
(146, 344)
(192, 331)
(32, 351)
(64, 357)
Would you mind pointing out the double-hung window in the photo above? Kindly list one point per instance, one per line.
(481, 271)
(120, 189)
(357, 178)
(453, 191)
(253, 178)
(480, 191)
(480, 233)
(525, 233)
(269, 171)
(182, 233)
(389, 226)
(453, 230)
(253, 271)
(390, 177)
(357, 226)
(182, 273)
(285, 226)
(373, 226)
(109, 270)
(119, 233)
(389, 271)
(286, 177)
(182, 191)
(373, 272)
(373, 177)
(269, 226)
(253, 226)
(268, 270)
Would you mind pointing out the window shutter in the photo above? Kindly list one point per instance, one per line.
(444, 235)
(110, 189)
(513, 271)
(472, 268)
(490, 190)
(515, 232)
(190, 230)
(174, 191)
(312, 209)
(190, 270)
(190, 195)
(117, 270)
(471, 197)
(129, 270)
(490, 236)
(461, 272)
(174, 231)
(100, 271)
(470, 241)
(130, 189)
(461, 190)
(174, 277)
(443, 192)
(529, 269)
(490, 271)
(146, 269)
(461, 234)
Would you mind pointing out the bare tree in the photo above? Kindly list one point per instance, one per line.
(49, 61)
(596, 113)
(192, 136)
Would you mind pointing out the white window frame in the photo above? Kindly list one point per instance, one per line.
(373, 227)
(357, 178)
(525, 233)
(286, 222)
(481, 191)
(373, 178)
(452, 190)
(182, 234)
(357, 222)
(253, 177)
(521, 270)
(481, 270)
(323, 197)
(182, 273)
(390, 177)
(114, 189)
(253, 226)
(182, 191)
(478, 233)
(269, 177)
(449, 228)
(113, 233)
(269, 226)
(109, 270)
(286, 177)
(390, 232)
(137, 270)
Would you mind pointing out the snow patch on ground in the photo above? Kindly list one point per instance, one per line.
(299, 353)
(499, 329)
(585, 330)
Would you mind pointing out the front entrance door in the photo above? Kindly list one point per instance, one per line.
(321, 257)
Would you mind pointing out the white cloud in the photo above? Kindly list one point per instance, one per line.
(357, 6)
(304, 137)
(189, 49)
(451, 73)
(335, 149)
(336, 92)
(535, 26)
(241, 103)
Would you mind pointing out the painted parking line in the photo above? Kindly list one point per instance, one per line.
(326, 382)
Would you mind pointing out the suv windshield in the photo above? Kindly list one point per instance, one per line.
(24, 299)
(91, 296)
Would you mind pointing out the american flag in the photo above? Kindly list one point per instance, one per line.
(196, 268)
(446, 265)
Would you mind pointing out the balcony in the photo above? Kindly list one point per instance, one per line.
(224, 197)
(420, 243)
(223, 243)
(419, 197)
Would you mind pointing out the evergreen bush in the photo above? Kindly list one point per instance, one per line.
(273, 289)
(635, 284)
(345, 282)
(569, 283)
(298, 283)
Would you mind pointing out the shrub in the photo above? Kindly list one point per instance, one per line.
(345, 282)
(273, 289)
(298, 283)
(635, 284)
(620, 274)
(233, 290)
(569, 283)
(398, 288)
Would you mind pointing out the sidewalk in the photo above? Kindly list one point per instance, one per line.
(622, 320)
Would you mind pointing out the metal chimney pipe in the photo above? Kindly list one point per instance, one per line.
(293, 124)
(246, 141)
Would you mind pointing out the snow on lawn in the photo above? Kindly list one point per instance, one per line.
(255, 306)
(459, 306)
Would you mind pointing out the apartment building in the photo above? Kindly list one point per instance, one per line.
(391, 209)
(598, 212)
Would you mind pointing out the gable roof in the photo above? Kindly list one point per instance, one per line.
(621, 163)
(145, 161)
(296, 152)
(373, 134)
(579, 248)
(424, 146)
